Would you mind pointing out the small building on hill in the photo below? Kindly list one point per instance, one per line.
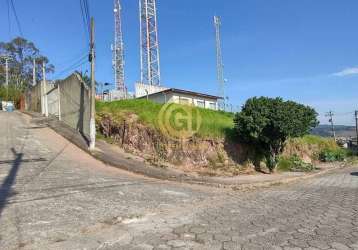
(180, 96)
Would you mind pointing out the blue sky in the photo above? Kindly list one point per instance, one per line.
(301, 50)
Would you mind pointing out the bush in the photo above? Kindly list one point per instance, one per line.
(294, 164)
(267, 123)
(332, 155)
(309, 145)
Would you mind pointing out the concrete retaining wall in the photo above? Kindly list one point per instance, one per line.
(75, 103)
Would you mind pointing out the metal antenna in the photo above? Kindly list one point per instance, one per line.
(149, 44)
(118, 51)
(219, 62)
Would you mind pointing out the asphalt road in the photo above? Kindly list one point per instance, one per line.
(55, 196)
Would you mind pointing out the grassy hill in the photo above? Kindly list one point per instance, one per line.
(139, 136)
(215, 124)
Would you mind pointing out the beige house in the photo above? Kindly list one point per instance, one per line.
(180, 96)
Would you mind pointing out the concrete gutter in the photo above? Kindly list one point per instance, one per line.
(107, 155)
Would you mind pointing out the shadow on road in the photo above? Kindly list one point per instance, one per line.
(354, 174)
(6, 186)
(5, 189)
(25, 160)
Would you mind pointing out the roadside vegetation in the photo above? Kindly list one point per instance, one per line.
(215, 124)
(21, 53)
(271, 133)
(332, 155)
(293, 164)
(267, 123)
(13, 93)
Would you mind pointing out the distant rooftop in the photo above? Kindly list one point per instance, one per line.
(181, 91)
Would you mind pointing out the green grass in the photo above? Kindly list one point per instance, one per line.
(321, 142)
(312, 141)
(332, 155)
(215, 124)
(293, 164)
(311, 146)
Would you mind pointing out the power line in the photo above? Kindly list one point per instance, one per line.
(330, 114)
(75, 65)
(85, 13)
(81, 61)
(16, 17)
(72, 59)
(8, 18)
(60, 74)
(84, 19)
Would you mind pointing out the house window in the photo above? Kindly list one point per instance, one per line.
(200, 104)
(212, 105)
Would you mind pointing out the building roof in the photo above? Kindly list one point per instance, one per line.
(181, 91)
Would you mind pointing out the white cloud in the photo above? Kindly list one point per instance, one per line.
(347, 72)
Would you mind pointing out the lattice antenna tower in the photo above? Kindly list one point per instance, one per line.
(118, 50)
(149, 43)
(219, 61)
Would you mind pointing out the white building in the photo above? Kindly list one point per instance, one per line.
(180, 96)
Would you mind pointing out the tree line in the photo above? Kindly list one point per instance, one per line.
(22, 54)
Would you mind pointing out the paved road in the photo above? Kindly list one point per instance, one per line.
(54, 196)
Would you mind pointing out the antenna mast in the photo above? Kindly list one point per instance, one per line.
(118, 51)
(219, 62)
(149, 44)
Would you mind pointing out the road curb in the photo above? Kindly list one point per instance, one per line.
(144, 169)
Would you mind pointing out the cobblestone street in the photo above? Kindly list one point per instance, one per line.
(55, 196)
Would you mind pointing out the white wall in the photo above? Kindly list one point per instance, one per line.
(193, 100)
(142, 89)
(161, 98)
(180, 98)
(53, 101)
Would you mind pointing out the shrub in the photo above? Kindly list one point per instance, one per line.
(309, 145)
(267, 123)
(294, 164)
(332, 155)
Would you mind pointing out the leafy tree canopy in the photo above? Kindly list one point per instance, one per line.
(22, 53)
(266, 124)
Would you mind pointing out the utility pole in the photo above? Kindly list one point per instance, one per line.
(7, 77)
(34, 72)
(92, 58)
(330, 115)
(45, 107)
(356, 116)
(6, 58)
(7, 71)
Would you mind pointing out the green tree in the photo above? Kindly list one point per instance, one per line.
(87, 80)
(22, 53)
(266, 123)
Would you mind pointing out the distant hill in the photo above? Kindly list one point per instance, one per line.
(341, 131)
